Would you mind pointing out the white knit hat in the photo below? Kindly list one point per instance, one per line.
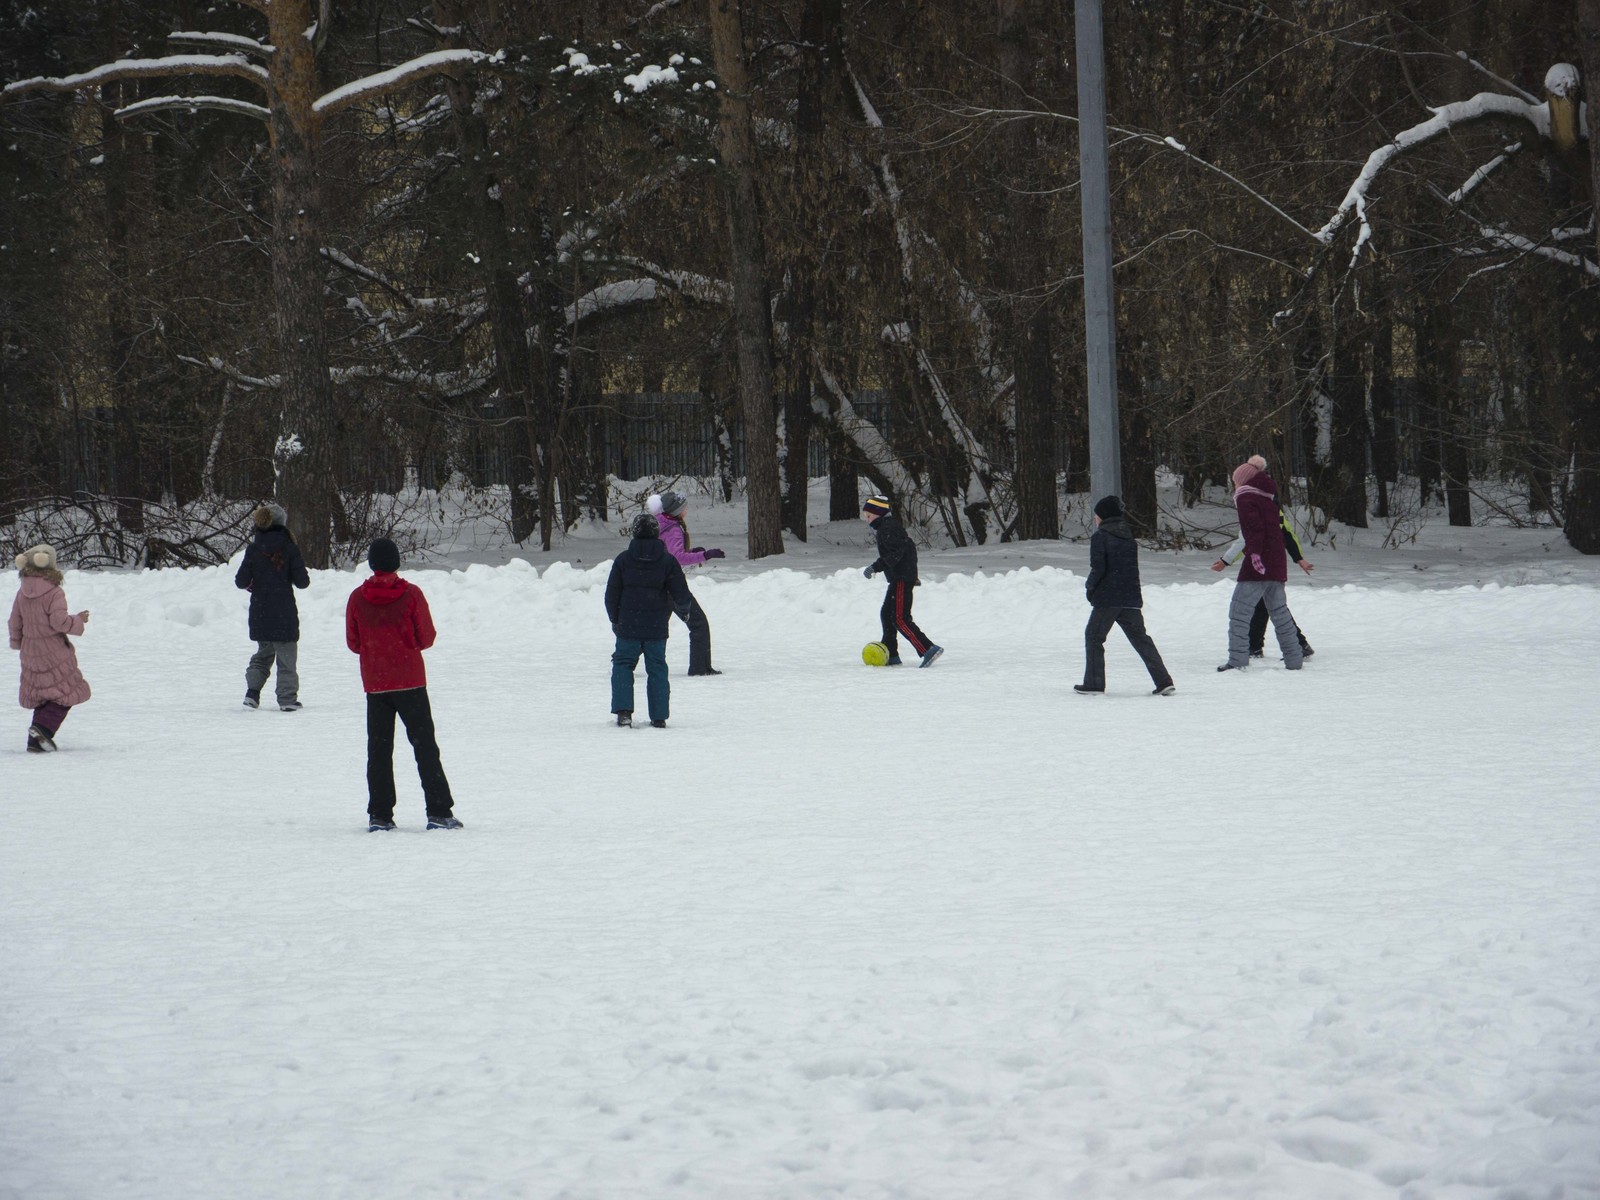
(41, 558)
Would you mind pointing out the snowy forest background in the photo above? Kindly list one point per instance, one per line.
(346, 251)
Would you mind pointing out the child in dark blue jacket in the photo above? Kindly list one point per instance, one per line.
(1113, 589)
(271, 570)
(646, 586)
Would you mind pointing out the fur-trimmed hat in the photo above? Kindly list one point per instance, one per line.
(268, 515)
(383, 555)
(38, 558)
(877, 505)
(1107, 507)
(646, 526)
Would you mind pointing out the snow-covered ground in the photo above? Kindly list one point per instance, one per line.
(837, 931)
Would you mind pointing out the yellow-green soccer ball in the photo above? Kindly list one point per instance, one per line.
(875, 654)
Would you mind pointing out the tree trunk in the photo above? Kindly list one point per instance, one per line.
(508, 323)
(1436, 383)
(1385, 451)
(1578, 342)
(1343, 478)
(127, 461)
(303, 455)
(752, 320)
(1034, 476)
(1139, 498)
(1581, 515)
(820, 24)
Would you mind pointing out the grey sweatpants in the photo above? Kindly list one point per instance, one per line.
(1245, 598)
(286, 653)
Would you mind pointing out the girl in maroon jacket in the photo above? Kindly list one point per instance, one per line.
(387, 623)
(1263, 570)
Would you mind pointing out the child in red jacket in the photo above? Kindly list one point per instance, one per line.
(387, 623)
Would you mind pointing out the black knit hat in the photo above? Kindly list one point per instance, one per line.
(383, 555)
(876, 505)
(646, 526)
(1107, 507)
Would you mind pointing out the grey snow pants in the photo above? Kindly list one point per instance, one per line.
(1245, 598)
(286, 654)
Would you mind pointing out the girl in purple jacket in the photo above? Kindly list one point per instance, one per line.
(1263, 570)
(39, 625)
(669, 508)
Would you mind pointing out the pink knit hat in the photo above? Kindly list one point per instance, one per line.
(1244, 473)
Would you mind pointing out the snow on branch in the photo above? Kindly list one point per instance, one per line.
(1483, 172)
(862, 432)
(1515, 241)
(192, 104)
(700, 288)
(236, 65)
(224, 41)
(1483, 106)
(420, 67)
(449, 384)
(582, 235)
(228, 371)
(445, 383)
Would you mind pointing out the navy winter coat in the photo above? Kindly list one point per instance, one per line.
(271, 565)
(646, 586)
(1114, 567)
(897, 553)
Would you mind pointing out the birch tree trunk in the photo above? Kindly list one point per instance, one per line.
(303, 457)
(752, 318)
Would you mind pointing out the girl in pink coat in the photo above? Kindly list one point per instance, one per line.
(40, 623)
(668, 508)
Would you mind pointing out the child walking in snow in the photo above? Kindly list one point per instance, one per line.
(51, 682)
(1291, 545)
(1263, 571)
(271, 570)
(386, 622)
(646, 583)
(1113, 589)
(897, 559)
(668, 508)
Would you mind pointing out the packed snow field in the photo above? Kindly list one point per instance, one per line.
(836, 931)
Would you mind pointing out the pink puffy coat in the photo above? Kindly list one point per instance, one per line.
(39, 627)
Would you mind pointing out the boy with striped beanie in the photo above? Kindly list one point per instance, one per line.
(897, 559)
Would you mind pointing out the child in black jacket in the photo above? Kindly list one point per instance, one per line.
(1113, 589)
(897, 559)
(646, 585)
(271, 570)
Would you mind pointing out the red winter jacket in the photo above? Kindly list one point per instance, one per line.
(386, 622)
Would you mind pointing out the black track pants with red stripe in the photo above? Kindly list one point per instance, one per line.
(896, 614)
